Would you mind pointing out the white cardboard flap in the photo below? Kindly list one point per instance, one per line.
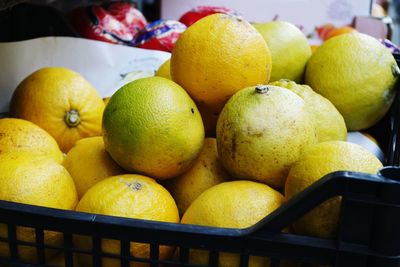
(106, 66)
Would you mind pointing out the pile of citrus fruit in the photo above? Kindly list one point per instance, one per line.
(240, 119)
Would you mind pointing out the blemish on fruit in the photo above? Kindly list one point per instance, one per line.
(192, 110)
(135, 186)
(262, 89)
(233, 146)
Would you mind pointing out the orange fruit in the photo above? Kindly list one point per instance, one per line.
(339, 31)
(152, 126)
(289, 49)
(61, 102)
(237, 204)
(344, 69)
(39, 180)
(88, 163)
(314, 48)
(262, 124)
(329, 123)
(319, 160)
(23, 135)
(217, 56)
(205, 172)
(324, 29)
(130, 196)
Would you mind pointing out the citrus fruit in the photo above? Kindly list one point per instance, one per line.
(106, 99)
(357, 74)
(338, 31)
(378, 11)
(236, 204)
(329, 123)
(317, 161)
(34, 179)
(289, 49)
(130, 196)
(206, 172)
(23, 135)
(164, 70)
(314, 48)
(368, 142)
(324, 29)
(262, 124)
(60, 101)
(152, 126)
(217, 56)
(88, 163)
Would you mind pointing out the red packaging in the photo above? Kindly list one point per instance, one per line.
(199, 12)
(117, 22)
(127, 14)
(159, 35)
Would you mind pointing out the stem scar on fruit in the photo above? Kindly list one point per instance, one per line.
(72, 118)
(262, 89)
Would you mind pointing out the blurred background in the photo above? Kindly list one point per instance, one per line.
(26, 19)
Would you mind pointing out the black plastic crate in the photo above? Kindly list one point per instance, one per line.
(368, 233)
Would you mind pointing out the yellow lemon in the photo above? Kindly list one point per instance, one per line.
(317, 161)
(23, 135)
(106, 99)
(164, 70)
(261, 132)
(217, 56)
(206, 172)
(88, 163)
(237, 204)
(33, 179)
(357, 74)
(152, 126)
(289, 48)
(61, 102)
(130, 196)
(329, 123)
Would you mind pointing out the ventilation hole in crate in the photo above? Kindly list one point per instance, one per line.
(4, 250)
(83, 249)
(60, 260)
(203, 257)
(54, 240)
(111, 251)
(141, 251)
(198, 256)
(26, 244)
(4, 247)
